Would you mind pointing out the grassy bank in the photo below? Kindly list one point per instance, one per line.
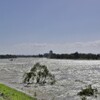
(7, 93)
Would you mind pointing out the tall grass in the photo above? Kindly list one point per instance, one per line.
(7, 93)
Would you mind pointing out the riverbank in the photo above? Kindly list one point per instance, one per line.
(7, 93)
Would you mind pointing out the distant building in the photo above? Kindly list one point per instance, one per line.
(50, 54)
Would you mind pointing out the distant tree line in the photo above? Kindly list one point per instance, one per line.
(7, 56)
(52, 55)
(19, 56)
(75, 55)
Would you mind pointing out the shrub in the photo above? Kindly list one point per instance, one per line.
(39, 74)
(88, 91)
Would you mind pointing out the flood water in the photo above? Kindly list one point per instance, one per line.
(71, 76)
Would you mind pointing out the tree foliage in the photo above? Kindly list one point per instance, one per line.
(75, 55)
(39, 74)
(88, 91)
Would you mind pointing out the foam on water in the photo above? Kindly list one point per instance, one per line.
(71, 76)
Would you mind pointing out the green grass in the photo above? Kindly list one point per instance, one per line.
(7, 93)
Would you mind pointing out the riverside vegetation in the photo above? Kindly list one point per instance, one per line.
(7, 93)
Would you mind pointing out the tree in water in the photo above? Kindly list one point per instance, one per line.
(39, 74)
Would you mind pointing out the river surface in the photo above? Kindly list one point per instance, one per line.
(71, 76)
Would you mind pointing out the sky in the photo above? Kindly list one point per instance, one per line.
(37, 26)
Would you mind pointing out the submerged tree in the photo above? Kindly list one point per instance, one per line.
(39, 74)
(88, 91)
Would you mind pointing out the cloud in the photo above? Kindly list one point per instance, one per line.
(36, 48)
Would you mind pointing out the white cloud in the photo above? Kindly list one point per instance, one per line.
(36, 48)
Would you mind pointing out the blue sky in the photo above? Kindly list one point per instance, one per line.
(36, 26)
